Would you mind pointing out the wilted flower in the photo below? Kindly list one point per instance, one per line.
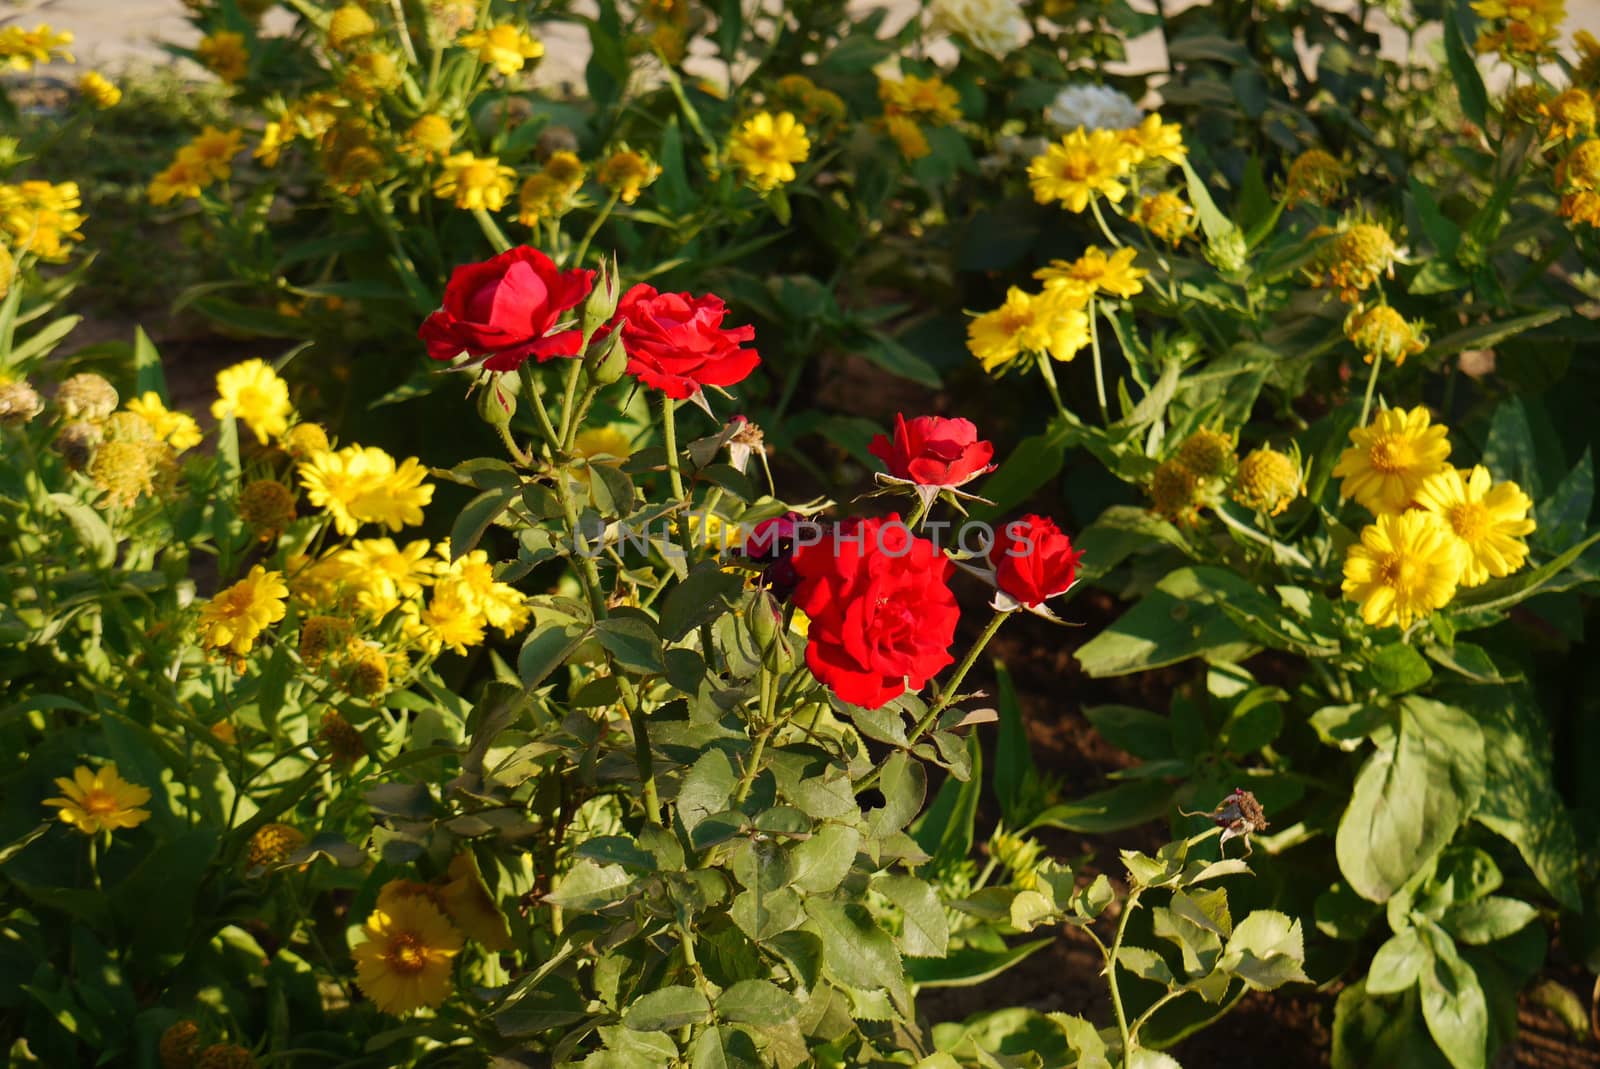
(626, 172)
(1267, 481)
(19, 403)
(1166, 215)
(1383, 333)
(272, 843)
(1315, 177)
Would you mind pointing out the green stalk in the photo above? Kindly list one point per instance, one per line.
(1372, 386)
(1099, 368)
(642, 758)
(530, 382)
(1111, 978)
(491, 230)
(1094, 206)
(594, 228)
(1048, 373)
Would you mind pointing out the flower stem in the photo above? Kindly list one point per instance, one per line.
(669, 434)
(642, 758)
(530, 382)
(1099, 367)
(1094, 206)
(1048, 373)
(924, 502)
(525, 459)
(1111, 978)
(594, 228)
(569, 404)
(491, 230)
(1372, 386)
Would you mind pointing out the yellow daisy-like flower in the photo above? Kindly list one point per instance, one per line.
(1153, 139)
(506, 47)
(177, 429)
(183, 178)
(429, 138)
(20, 49)
(1080, 166)
(236, 616)
(223, 53)
(1052, 322)
(450, 619)
(1095, 271)
(214, 149)
(1405, 566)
(475, 182)
(500, 605)
(385, 574)
(370, 75)
(404, 963)
(1267, 481)
(907, 136)
(1388, 461)
(766, 147)
(254, 394)
(41, 217)
(1582, 207)
(1490, 518)
(1570, 114)
(925, 99)
(1381, 332)
(1521, 27)
(93, 800)
(350, 25)
(1315, 177)
(99, 90)
(1581, 168)
(626, 172)
(363, 484)
(1166, 215)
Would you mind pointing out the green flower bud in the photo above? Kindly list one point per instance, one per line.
(606, 361)
(1228, 252)
(602, 302)
(497, 399)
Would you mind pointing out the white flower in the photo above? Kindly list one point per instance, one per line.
(1094, 107)
(995, 26)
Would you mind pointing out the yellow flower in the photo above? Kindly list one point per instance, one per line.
(1355, 259)
(1315, 177)
(1267, 481)
(272, 843)
(236, 616)
(363, 484)
(766, 147)
(564, 167)
(20, 49)
(429, 138)
(214, 149)
(926, 99)
(603, 443)
(41, 217)
(1166, 215)
(1153, 139)
(907, 136)
(1176, 492)
(500, 605)
(384, 574)
(404, 962)
(1388, 461)
(1052, 322)
(1490, 518)
(504, 46)
(1080, 166)
(1405, 566)
(95, 801)
(1095, 271)
(223, 53)
(370, 75)
(1570, 114)
(254, 394)
(451, 618)
(626, 172)
(1523, 27)
(1581, 169)
(1588, 49)
(182, 178)
(1582, 207)
(475, 182)
(1208, 453)
(304, 440)
(349, 25)
(98, 90)
(177, 429)
(1380, 331)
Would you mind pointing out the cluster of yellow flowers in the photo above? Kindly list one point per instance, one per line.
(1437, 527)
(41, 218)
(1570, 119)
(909, 103)
(207, 158)
(405, 959)
(1088, 164)
(766, 147)
(550, 193)
(20, 49)
(1519, 28)
(224, 54)
(1055, 321)
(808, 101)
(1205, 467)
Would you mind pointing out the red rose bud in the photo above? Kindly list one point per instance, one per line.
(1033, 561)
(500, 312)
(882, 613)
(676, 342)
(933, 451)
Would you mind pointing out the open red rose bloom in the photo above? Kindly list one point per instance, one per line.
(934, 451)
(882, 613)
(676, 342)
(501, 311)
(1033, 561)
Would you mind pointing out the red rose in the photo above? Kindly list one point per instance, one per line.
(933, 451)
(1033, 561)
(676, 342)
(882, 614)
(504, 307)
